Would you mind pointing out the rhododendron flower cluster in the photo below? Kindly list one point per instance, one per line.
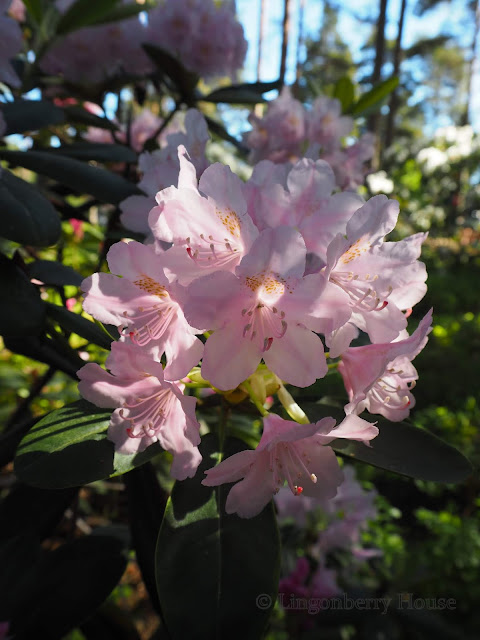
(254, 279)
(205, 35)
(289, 131)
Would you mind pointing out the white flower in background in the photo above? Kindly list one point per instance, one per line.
(432, 158)
(379, 183)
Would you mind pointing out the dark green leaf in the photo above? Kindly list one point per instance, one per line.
(79, 325)
(26, 216)
(23, 311)
(46, 350)
(146, 505)
(220, 131)
(82, 116)
(99, 152)
(53, 273)
(125, 11)
(35, 9)
(235, 560)
(370, 101)
(345, 92)
(241, 93)
(401, 448)
(84, 13)
(69, 447)
(30, 115)
(79, 176)
(61, 588)
(184, 80)
(31, 509)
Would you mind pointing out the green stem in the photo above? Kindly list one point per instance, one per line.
(248, 388)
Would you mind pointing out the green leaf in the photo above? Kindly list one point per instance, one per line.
(96, 151)
(146, 505)
(185, 81)
(59, 588)
(75, 113)
(235, 560)
(26, 216)
(79, 325)
(370, 101)
(30, 115)
(219, 130)
(125, 11)
(35, 9)
(44, 349)
(79, 176)
(53, 273)
(345, 92)
(84, 13)
(399, 447)
(241, 93)
(69, 447)
(23, 311)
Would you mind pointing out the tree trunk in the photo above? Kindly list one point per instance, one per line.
(285, 32)
(397, 59)
(300, 40)
(374, 119)
(261, 34)
(471, 66)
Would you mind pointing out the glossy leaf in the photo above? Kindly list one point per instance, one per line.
(99, 152)
(185, 81)
(46, 350)
(371, 100)
(26, 216)
(399, 447)
(345, 92)
(23, 309)
(53, 273)
(30, 115)
(59, 589)
(79, 176)
(77, 114)
(241, 93)
(69, 447)
(84, 13)
(235, 560)
(81, 326)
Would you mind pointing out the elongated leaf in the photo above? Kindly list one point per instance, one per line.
(371, 100)
(84, 13)
(23, 311)
(241, 93)
(79, 115)
(146, 505)
(345, 92)
(79, 176)
(99, 152)
(184, 80)
(26, 216)
(235, 560)
(54, 273)
(79, 325)
(69, 447)
(30, 115)
(220, 131)
(60, 588)
(401, 448)
(46, 350)
(125, 11)
(35, 9)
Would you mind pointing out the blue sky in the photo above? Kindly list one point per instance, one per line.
(447, 17)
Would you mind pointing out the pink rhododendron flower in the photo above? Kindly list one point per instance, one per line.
(17, 10)
(290, 452)
(161, 168)
(143, 305)
(149, 409)
(301, 583)
(208, 224)
(325, 124)
(379, 377)
(267, 309)
(11, 42)
(278, 136)
(204, 35)
(375, 276)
